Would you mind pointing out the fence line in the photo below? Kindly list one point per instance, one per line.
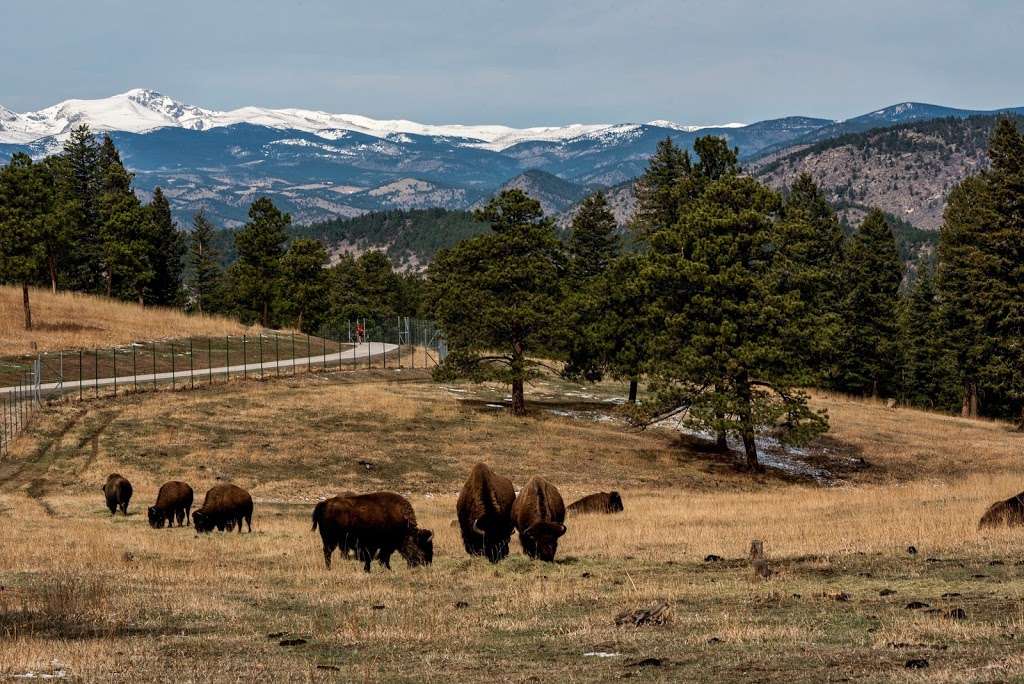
(26, 381)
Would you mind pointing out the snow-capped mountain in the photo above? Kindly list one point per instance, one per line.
(318, 165)
(140, 111)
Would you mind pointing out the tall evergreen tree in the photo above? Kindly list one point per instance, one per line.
(260, 245)
(304, 284)
(927, 374)
(206, 280)
(810, 255)
(78, 195)
(26, 199)
(124, 225)
(594, 241)
(657, 189)
(497, 296)
(725, 355)
(868, 347)
(166, 253)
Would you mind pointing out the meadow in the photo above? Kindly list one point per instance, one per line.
(94, 597)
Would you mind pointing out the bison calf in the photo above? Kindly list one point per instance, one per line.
(601, 502)
(1009, 513)
(173, 501)
(118, 492)
(485, 513)
(225, 506)
(539, 514)
(375, 525)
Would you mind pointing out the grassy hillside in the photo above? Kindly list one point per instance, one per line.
(110, 598)
(68, 320)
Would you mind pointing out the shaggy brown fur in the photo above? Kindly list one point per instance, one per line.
(601, 502)
(375, 524)
(225, 506)
(485, 513)
(118, 492)
(173, 501)
(539, 514)
(1009, 513)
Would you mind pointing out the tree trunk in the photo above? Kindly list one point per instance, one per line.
(969, 408)
(722, 441)
(110, 283)
(747, 421)
(632, 390)
(52, 262)
(28, 306)
(518, 400)
(266, 314)
(298, 323)
(974, 401)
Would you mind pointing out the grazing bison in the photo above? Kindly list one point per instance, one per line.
(375, 525)
(538, 514)
(173, 501)
(485, 513)
(1009, 513)
(118, 492)
(224, 507)
(601, 502)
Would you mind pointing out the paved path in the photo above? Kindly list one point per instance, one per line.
(360, 353)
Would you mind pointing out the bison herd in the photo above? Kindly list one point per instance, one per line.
(375, 526)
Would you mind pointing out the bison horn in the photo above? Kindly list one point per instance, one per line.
(561, 528)
(477, 529)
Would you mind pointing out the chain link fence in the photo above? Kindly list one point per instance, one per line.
(185, 363)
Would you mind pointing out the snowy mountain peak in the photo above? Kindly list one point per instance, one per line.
(141, 110)
(689, 128)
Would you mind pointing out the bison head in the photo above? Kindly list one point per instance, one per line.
(615, 502)
(496, 532)
(542, 539)
(156, 517)
(418, 548)
(202, 522)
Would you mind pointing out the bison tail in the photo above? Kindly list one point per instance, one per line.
(317, 513)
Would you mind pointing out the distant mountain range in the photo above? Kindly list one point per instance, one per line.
(320, 166)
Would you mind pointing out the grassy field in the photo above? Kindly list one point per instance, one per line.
(101, 598)
(59, 322)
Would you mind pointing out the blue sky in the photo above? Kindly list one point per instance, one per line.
(529, 62)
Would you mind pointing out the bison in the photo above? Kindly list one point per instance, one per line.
(1009, 513)
(539, 514)
(375, 525)
(601, 502)
(173, 501)
(485, 513)
(225, 506)
(118, 492)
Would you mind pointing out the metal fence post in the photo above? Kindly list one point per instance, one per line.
(245, 360)
(209, 357)
(172, 365)
(81, 378)
(277, 353)
(309, 359)
(135, 375)
(261, 355)
(293, 353)
(154, 365)
(96, 371)
(324, 340)
(191, 366)
(227, 358)
(115, 371)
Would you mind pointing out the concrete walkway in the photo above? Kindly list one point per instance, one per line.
(360, 353)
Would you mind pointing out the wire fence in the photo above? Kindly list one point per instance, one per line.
(185, 363)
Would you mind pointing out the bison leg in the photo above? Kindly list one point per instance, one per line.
(384, 558)
(248, 522)
(328, 550)
(366, 556)
(124, 508)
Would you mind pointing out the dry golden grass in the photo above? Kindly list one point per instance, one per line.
(109, 598)
(69, 320)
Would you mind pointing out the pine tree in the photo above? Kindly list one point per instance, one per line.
(260, 245)
(725, 355)
(810, 255)
(961, 273)
(868, 347)
(26, 198)
(205, 283)
(124, 225)
(304, 284)
(497, 296)
(78, 194)
(594, 241)
(657, 189)
(927, 376)
(166, 253)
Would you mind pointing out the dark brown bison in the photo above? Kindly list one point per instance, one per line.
(601, 502)
(118, 492)
(173, 501)
(225, 506)
(375, 525)
(485, 513)
(539, 514)
(1009, 513)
